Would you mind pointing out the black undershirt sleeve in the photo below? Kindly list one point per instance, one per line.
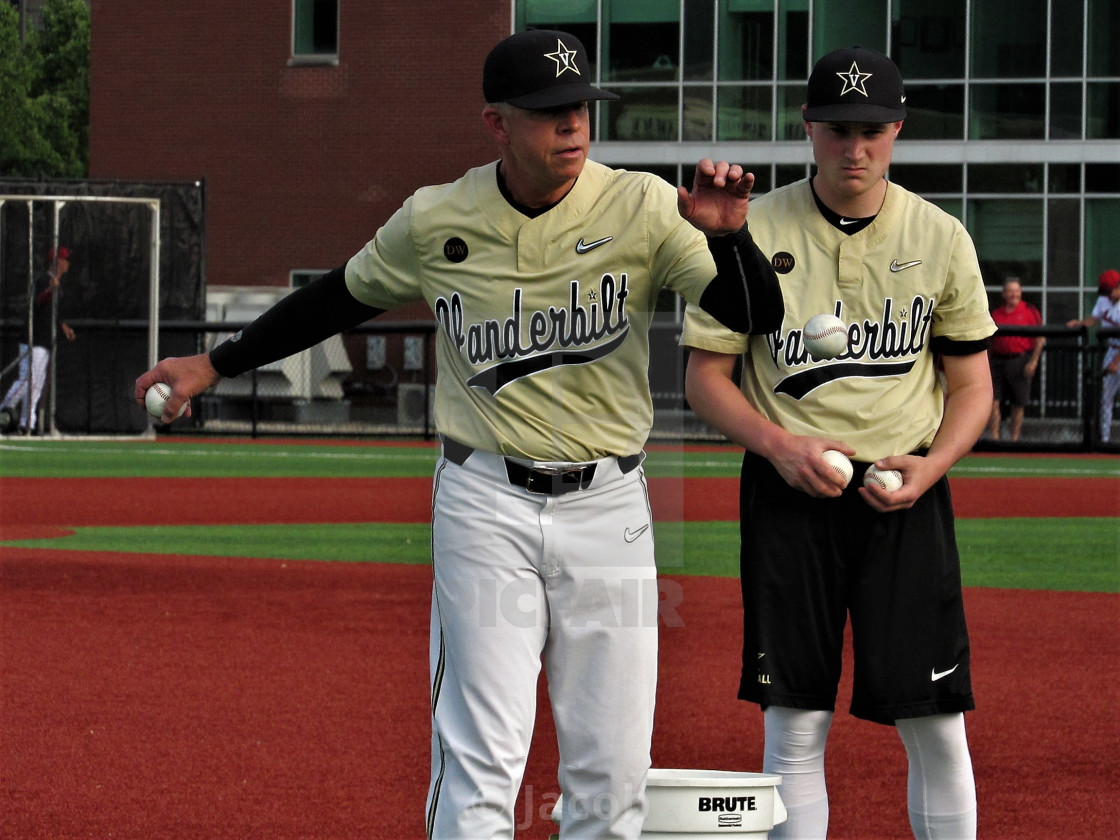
(745, 295)
(307, 316)
(948, 347)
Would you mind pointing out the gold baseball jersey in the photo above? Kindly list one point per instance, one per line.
(543, 323)
(908, 278)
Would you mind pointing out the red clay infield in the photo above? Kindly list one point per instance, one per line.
(146, 696)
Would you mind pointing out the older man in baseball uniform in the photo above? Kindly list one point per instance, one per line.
(903, 276)
(542, 270)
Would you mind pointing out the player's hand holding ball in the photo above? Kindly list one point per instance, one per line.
(889, 480)
(840, 463)
(825, 336)
(155, 399)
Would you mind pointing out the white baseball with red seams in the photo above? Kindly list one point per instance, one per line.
(839, 462)
(156, 397)
(826, 336)
(889, 480)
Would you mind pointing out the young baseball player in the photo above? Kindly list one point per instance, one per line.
(903, 276)
(542, 270)
(1106, 312)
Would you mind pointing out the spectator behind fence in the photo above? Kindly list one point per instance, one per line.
(1013, 358)
(33, 361)
(1106, 312)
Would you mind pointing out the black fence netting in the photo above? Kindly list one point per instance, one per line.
(107, 231)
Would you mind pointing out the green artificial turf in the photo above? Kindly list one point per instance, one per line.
(1060, 554)
(80, 458)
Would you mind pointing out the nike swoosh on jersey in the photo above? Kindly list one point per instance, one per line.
(935, 675)
(848, 221)
(897, 266)
(583, 247)
(630, 536)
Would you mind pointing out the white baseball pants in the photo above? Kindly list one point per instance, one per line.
(520, 577)
(17, 394)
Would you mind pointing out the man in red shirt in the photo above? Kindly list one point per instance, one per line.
(1013, 358)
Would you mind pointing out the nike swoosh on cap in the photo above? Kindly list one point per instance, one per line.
(583, 247)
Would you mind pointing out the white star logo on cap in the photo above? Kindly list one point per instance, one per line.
(853, 80)
(565, 59)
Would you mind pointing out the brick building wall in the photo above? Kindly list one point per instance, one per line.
(301, 163)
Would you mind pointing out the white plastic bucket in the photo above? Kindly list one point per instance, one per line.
(703, 804)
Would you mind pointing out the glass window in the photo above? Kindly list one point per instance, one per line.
(793, 40)
(554, 14)
(1104, 23)
(699, 38)
(927, 39)
(1008, 236)
(790, 99)
(934, 112)
(953, 206)
(746, 40)
(642, 41)
(646, 113)
(1102, 221)
(787, 174)
(928, 178)
(314, 28)
(1063, 248)
(745, 114)
(697, 114)
(762, 181)
(1005, 177)
(1103, 117)
(1067, 40)
(1008, 45)
(1062, 307)
(1007, 112)
(837, 25)
(1065, 177)
(1065, 111)
(1102, 178)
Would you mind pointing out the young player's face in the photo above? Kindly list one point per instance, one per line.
(544, 151)
(852, 157)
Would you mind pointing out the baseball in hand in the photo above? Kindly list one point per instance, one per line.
(826, 336)
(155, 398)
(889, 480)
(839, 462)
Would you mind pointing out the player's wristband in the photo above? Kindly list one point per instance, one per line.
(744, 296)
(301, 320)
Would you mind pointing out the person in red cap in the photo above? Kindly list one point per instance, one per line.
(1013, 358)
(1106, 312)
(28, 387)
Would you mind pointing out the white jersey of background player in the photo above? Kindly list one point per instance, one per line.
(542, 271)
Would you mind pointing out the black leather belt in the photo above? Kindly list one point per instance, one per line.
(548, 482)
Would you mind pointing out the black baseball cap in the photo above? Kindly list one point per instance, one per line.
(855, 85)
(540, 68)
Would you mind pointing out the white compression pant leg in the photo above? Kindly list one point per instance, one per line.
(941, 791)
(1110, 384)
(795, 742)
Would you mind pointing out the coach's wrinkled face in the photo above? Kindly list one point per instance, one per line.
(543, 151)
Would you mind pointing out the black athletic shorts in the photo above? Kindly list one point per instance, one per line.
(1009, 376)
(808, 563)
